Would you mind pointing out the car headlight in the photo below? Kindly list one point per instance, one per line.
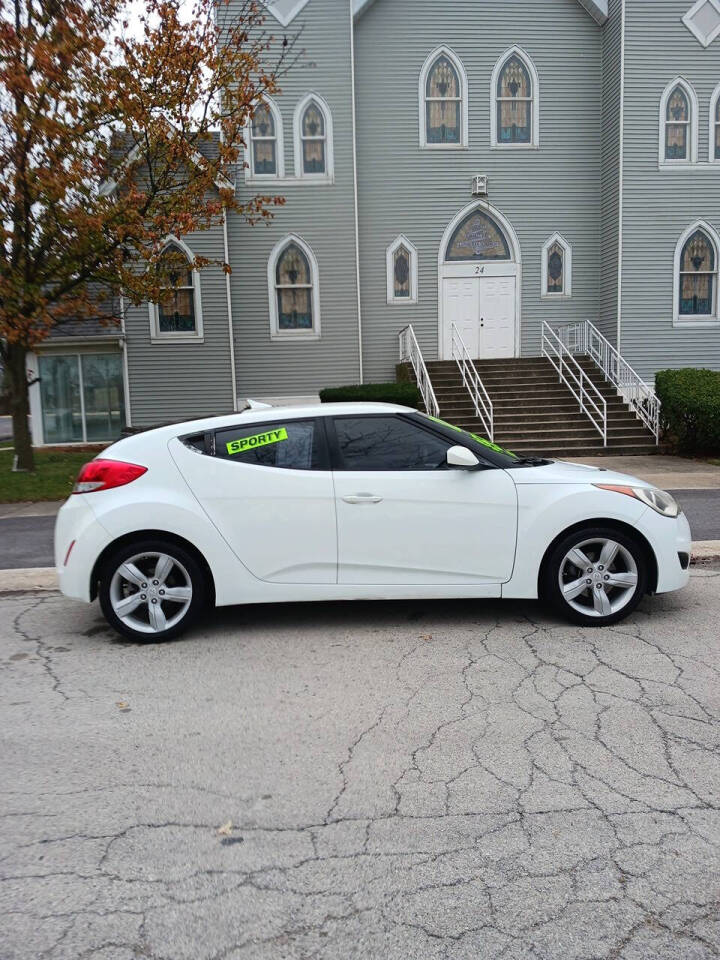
(660, 501)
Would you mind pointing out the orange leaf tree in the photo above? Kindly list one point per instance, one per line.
(113, 135)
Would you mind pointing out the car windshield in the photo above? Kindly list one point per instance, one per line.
(487, 444)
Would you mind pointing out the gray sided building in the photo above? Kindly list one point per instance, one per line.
(488, 165)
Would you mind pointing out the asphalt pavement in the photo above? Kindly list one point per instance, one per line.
(27, 541)
(369, 781)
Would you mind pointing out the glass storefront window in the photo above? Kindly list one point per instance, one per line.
(82, 397)
(60, 393)
(103, 394)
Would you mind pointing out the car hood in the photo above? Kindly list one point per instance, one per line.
(559, 471)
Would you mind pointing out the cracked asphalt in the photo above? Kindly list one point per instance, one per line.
(400, 781)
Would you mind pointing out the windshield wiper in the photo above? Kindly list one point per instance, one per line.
(531, 460)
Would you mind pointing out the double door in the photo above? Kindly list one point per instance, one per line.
(483, 309)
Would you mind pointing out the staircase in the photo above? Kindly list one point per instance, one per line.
(536, 413)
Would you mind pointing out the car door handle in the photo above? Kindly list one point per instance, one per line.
(362, 498)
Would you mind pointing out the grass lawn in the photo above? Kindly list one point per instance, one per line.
(55, 472)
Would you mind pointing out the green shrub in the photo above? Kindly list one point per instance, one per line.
(406, 394)
(691, 409)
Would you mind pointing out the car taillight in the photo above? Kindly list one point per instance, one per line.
(106, 474)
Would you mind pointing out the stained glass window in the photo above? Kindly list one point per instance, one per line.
(293, 286)
(401, 273)
(514, 103)
(443, 103)
(555, 268)
(313, 138)
(697, 276)
(677, 125)
(264, 141)
(478, 237)
(176, 308)
(717, 129)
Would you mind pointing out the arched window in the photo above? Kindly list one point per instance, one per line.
(696, 274)
(265, 142)
(443, 101)
(293, 291)
(402, 280)
(557, 267)
(516, 101)
(178, 314)
(715, 126)
(313, 139)
(478, 237)
(678, 124)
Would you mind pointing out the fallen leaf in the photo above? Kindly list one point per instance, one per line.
(121, 704)
(226, 829)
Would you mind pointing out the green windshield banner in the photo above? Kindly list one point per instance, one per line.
(259, 440)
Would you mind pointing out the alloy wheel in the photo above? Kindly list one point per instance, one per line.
(598, 577)
(151, 592)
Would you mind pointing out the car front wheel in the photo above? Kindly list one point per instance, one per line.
(596, 576)
(151, 590)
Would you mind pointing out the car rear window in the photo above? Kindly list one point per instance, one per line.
(289, 445)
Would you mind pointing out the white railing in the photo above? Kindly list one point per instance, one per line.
(592, 403)
(584, 337)
(410, 353)
(473, 384)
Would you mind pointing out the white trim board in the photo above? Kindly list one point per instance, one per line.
(598, 9)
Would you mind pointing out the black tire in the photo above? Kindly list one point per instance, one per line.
(186, 568)
(550, 589)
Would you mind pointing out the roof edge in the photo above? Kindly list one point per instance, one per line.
(598, 9)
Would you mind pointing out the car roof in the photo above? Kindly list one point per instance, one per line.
(267, 415)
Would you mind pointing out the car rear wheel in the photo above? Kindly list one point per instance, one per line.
(151, 590)
(596, 576)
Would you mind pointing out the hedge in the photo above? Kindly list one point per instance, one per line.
(405, 394)
(691, 409)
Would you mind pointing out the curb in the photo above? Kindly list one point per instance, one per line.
(43, 579)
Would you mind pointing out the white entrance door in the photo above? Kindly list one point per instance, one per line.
(483, 310)
(497, 317)
(461, 302)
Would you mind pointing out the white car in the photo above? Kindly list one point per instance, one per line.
(354, 502)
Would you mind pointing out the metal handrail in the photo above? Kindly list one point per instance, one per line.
(473, 384)
(584, 337)
(410, 353)
(575, 379)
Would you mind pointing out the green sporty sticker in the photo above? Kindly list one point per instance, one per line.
(259, 440)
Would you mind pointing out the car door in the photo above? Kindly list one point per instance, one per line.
(268, 489)
(405, 517)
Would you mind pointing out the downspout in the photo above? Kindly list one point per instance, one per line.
(355, 193)
(229, 309)
(621, 173)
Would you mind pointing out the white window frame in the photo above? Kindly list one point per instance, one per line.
(714, 122)
(250, 175)
(275, 332)
(402, 241)
(422, 100)
(534, 101)
(329, 175)
(567, 268)
(693, 320)
(692, 137)
(159, 336)
(705, 39)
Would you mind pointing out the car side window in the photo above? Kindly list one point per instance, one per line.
(289, 444)
(388, 443)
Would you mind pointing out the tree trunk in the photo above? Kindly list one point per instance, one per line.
(19, 407)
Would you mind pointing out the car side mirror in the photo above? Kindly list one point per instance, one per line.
(462, 459)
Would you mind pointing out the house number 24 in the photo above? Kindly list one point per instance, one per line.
(479, 270)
